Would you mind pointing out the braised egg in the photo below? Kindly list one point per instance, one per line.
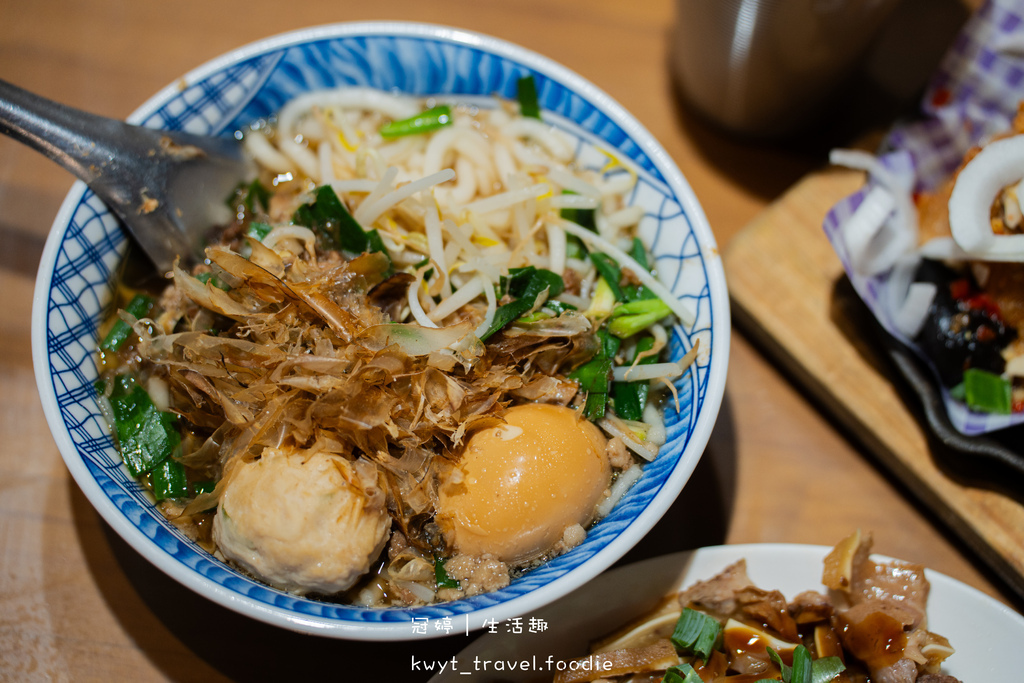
(520, 485)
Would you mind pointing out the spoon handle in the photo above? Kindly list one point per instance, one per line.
(77, 140)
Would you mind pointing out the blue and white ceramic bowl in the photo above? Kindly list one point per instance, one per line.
(74, 291)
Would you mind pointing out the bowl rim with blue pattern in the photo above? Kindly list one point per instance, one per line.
(86, 244)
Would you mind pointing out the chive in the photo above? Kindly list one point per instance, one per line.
(696, 633)
(138, 307)
(441, 577)
(169, 480)
(145, 435)
(559, 307)
(585, 218)
(636, 316)
(214, 280)
(595, 375)
(683, 673)
(259, 230)
(609, 270)
(249, 196)
(526, 93)
(987, 392)
(203, 487)
(526, 284)
(629, 398)
(424, 122)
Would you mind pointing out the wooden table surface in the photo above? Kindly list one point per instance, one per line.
(76, 603)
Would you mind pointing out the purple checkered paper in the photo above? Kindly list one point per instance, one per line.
(973, 95)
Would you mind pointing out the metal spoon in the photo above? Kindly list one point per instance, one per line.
(167, 187)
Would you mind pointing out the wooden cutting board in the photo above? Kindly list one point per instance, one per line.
(790, 295)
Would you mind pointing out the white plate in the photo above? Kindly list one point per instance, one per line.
(985, 633)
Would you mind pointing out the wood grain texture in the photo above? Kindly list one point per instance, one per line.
(78, 604)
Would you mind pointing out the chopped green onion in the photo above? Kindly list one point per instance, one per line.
(609, 270)
(214, 280)
(559, 307)
(585, 218)
(696, 633)
(258, 230)
(526, 284)
(146, 436)
(203, 487)
(594, 376)
(684, 673)
(169, 480)
(138, 307)
(629, 398)
(635, 316)
(526, 93)
(441, 577)
(424, 122)
(249, 196)
(987, 392)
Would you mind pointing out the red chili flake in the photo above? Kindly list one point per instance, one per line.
(960, 289)
(1017, 405)
(941, 97)
(985, 334)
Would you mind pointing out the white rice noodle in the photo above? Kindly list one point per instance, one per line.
(413, 299)
(556, 247)
(462, 296)
(295, 232)
(622, 483)
(542, 133)
(505, 200)
(377, 208)
(465, 182)
(616, 427)
(366, 99)
(639, 373)
(884, 226)
(686, 317)
(505, 164)
(266, 154)
(570, 181)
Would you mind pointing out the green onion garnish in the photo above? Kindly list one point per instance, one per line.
(169, 480)
(526, 93)
(526, 284)
(594, 376)
(635, 316)
(696, 633)
(138, 307)
(684, 673)
(424, 122)
(441, 577)
(629, 398)
(146, 436)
